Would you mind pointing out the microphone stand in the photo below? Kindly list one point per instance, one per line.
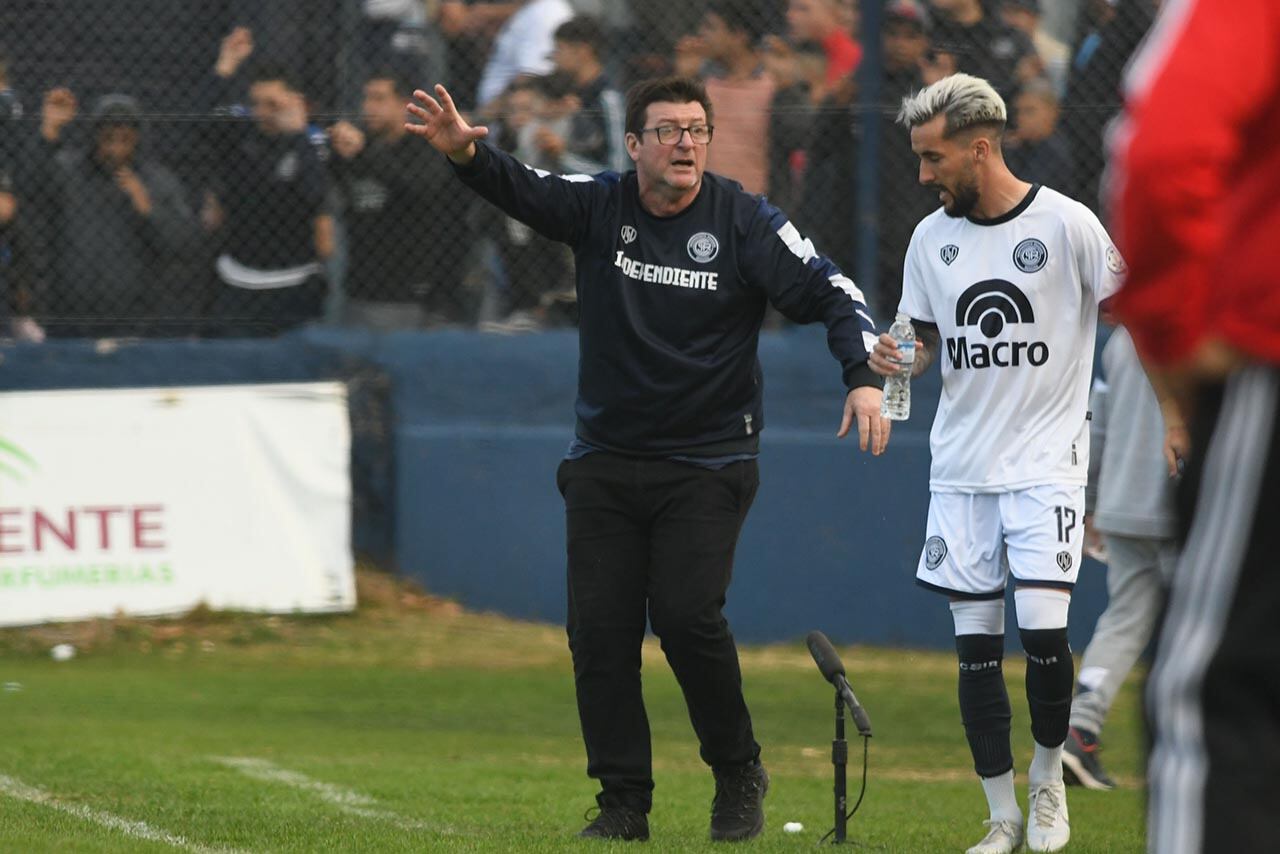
(840, 762)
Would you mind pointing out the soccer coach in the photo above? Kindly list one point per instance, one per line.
(674, 269)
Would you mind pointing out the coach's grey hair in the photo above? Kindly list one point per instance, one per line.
(964, 99)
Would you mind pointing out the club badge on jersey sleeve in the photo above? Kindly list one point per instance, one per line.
(1115, 263)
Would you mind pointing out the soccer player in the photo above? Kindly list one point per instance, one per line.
(1196, 177)
(1002, 284)
(674, 268)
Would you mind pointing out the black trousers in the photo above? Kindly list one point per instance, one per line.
(653, 538)
(1213, 697)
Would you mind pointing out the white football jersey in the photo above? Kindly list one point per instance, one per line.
(1015, 300)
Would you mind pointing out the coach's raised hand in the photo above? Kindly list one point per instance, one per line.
(443, 126)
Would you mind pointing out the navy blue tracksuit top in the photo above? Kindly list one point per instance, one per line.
(670, 307)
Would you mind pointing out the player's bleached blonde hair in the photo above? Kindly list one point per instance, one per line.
(965, 100)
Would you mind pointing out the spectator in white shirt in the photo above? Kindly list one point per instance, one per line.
(523, 45)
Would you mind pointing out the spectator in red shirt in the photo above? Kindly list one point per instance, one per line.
(821, 21)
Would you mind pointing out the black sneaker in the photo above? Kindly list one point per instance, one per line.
(737, 812)
(617, 823)
(1080, 763)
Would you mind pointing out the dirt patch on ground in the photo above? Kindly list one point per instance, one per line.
(381, 598)
(382, 592)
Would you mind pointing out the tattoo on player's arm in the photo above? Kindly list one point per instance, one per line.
(927, 343)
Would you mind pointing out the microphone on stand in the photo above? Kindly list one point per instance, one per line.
(824, 655)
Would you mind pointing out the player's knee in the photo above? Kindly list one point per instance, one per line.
(1050, 672)
(983, 697)
(1046, 649)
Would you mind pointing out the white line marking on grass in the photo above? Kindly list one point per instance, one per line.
(261, 769)
(346, 800)
(129, 827)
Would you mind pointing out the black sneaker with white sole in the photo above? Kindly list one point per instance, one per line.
(617, 823)
(1080, 763)
(737, 813)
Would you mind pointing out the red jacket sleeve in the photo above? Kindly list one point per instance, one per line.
(1203, 73)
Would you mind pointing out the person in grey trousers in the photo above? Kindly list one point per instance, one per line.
(1137, 445)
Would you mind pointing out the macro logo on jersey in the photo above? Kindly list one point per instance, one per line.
(703, 247)
(628, 234)
(1064, 561)
(949, 253)
(1030, 255)
(935, 550)
(990, 306)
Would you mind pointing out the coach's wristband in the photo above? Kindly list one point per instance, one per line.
(861, 376)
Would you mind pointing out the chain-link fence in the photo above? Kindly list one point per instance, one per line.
(174, 167)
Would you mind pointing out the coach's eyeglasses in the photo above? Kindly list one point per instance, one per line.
(671, 134)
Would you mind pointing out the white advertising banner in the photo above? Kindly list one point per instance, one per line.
(154, 501)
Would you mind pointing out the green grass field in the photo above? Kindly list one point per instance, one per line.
(412, 726)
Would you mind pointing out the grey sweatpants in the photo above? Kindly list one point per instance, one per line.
(1137, 572)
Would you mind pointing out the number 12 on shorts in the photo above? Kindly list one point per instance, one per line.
(1066, 522)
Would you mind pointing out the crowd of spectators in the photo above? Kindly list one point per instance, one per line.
(277, 199)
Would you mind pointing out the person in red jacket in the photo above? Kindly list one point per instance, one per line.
(822, 21)
(1196, 195)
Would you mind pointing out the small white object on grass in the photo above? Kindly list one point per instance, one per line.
(63, 652)
(792, 827)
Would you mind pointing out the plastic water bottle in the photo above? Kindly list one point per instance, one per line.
(896, 405)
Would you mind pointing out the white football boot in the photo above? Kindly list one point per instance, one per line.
(1003, 837)
(1048, 827)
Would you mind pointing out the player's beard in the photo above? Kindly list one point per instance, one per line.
(964, 197)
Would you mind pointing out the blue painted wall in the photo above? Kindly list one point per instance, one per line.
(479, 423)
